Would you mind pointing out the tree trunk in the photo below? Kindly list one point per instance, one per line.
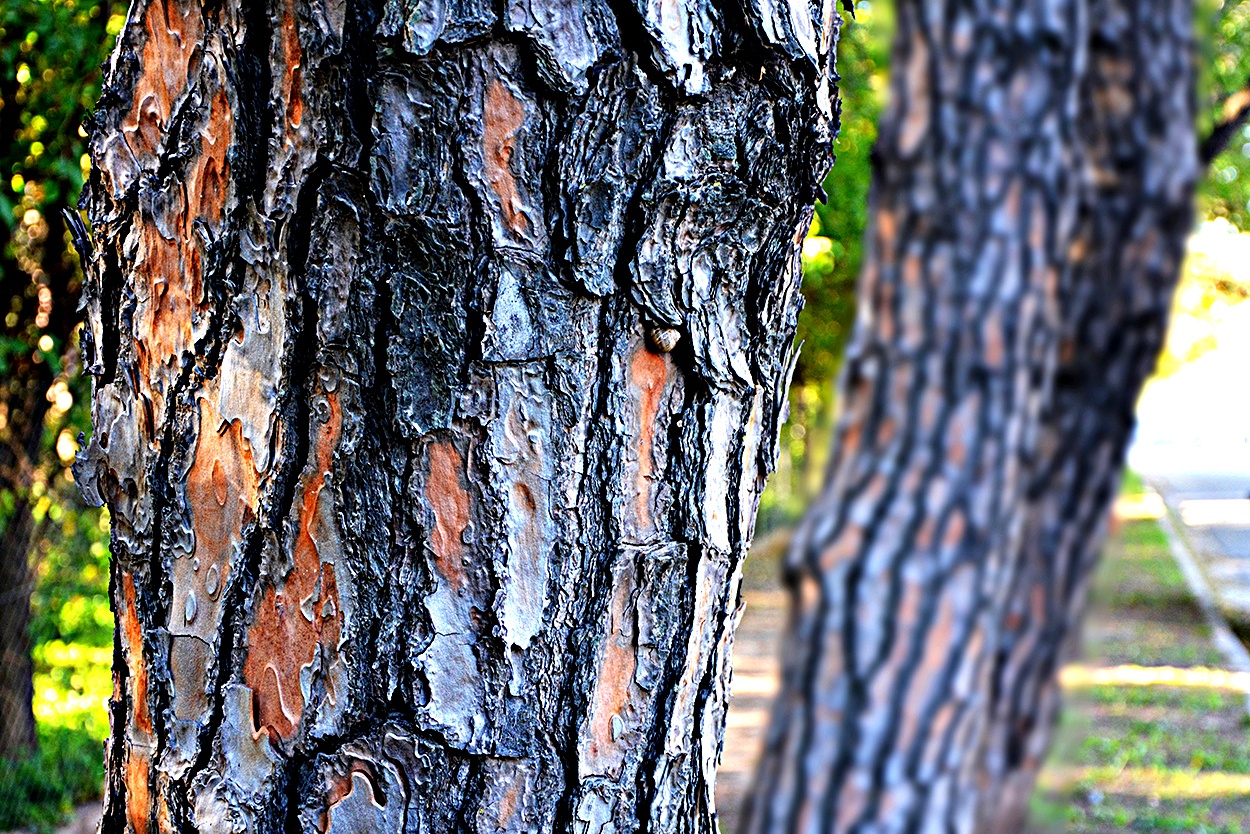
(21, 437)
(1136, 212)
(38, 285)
(21, 408)
(17, 690)
(899, 572)
(439, 356)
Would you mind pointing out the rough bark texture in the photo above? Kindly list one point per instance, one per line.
(440, 350)
(898, 574)
(1139, 169)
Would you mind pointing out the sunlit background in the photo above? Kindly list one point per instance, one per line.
(1194, 414)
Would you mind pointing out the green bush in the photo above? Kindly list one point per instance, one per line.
(40, 792)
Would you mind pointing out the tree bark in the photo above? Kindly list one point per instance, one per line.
(1139, 172)
(898, 574)
(440, 350)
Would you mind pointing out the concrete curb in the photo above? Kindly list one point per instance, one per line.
(1235, 653)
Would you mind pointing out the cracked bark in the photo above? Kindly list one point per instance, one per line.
(899, 572)
(440, 350)
(1140, 167)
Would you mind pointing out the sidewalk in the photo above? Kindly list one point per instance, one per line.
(1212, 513)
(756, 674)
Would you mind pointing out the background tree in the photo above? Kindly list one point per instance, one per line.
(439, 360)
(898, 572)
(1139, 161)
(50, 53)
(1140, 166)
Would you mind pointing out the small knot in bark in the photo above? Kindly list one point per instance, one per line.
(662, 339)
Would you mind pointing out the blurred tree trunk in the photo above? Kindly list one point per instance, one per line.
(19, 437)
(20, 434)
(439, 354)
(1140, 166)
(17, 716)
(39, 284)
(899, 572)
(25, 401)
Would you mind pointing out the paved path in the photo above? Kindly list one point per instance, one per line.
(1193, 446)
(756, 676)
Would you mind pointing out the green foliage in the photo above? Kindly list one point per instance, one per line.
(39, 793)
(71, 622)
(832, 255)
(50, 57)
(51, 51)
(834, 249)
(831, 259)
(1223, 35)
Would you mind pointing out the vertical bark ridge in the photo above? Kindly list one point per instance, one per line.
(1140, 166)
(897, 574)
(440, 349)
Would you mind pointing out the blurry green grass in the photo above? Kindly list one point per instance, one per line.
(39, 793)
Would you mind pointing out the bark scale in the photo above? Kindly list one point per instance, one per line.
(1140, 165)
(440, 350)
(899, 572)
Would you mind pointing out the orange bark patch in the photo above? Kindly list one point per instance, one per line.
(649, 374)
(222, 491)
(852, 800)
(340, 785)
(955, 528)
(132, 636)
(138, 790)
(937, 647)
(172, 36)
(293, 621)
(293, 71)
(449, 501)
(503, 114)
(164, 819)
(172, 265)
(617, 663)
(138, 764)
(887, 230)
(992, 337)
(206, 185)
(508, 805)
(916, 118)
(907, 625)
(845, 547)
